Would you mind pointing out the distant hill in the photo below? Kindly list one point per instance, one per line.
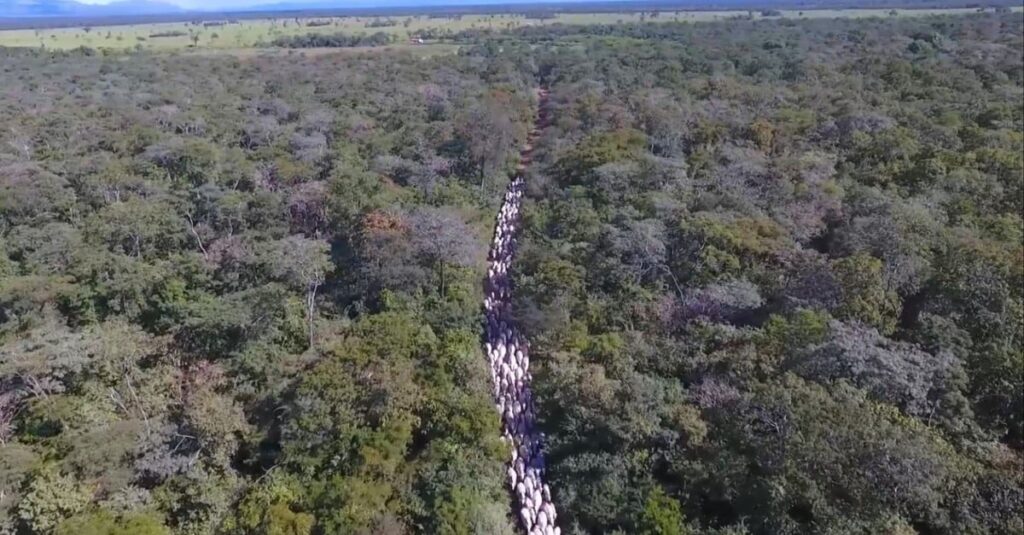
(70, 8)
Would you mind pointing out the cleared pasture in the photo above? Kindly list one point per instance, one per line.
(250, 33)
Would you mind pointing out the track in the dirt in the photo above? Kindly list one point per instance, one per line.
(508, 353)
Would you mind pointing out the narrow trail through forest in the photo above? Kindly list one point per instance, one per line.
(508, 353)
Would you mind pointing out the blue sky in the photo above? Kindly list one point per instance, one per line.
(234, 4)
(33, 8)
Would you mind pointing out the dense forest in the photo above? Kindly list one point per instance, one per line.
(772, 274)
(775, 270)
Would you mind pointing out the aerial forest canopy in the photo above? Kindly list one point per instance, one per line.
(772, 274)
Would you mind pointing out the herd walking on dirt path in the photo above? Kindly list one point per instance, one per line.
(508, 353)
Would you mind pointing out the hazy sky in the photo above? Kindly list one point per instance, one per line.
(207, 3)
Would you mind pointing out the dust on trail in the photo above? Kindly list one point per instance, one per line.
(509, 356)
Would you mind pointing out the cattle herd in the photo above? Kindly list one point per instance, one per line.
(508, 354)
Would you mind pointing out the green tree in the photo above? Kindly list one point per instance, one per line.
(281, 520)
(865, 297)
(51, 498)
(599, 149)
(303, 264)
(106, 523)
(662, 515)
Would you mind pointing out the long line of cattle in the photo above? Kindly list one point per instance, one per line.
(508, 354)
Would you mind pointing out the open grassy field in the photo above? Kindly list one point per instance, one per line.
(249, 33)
